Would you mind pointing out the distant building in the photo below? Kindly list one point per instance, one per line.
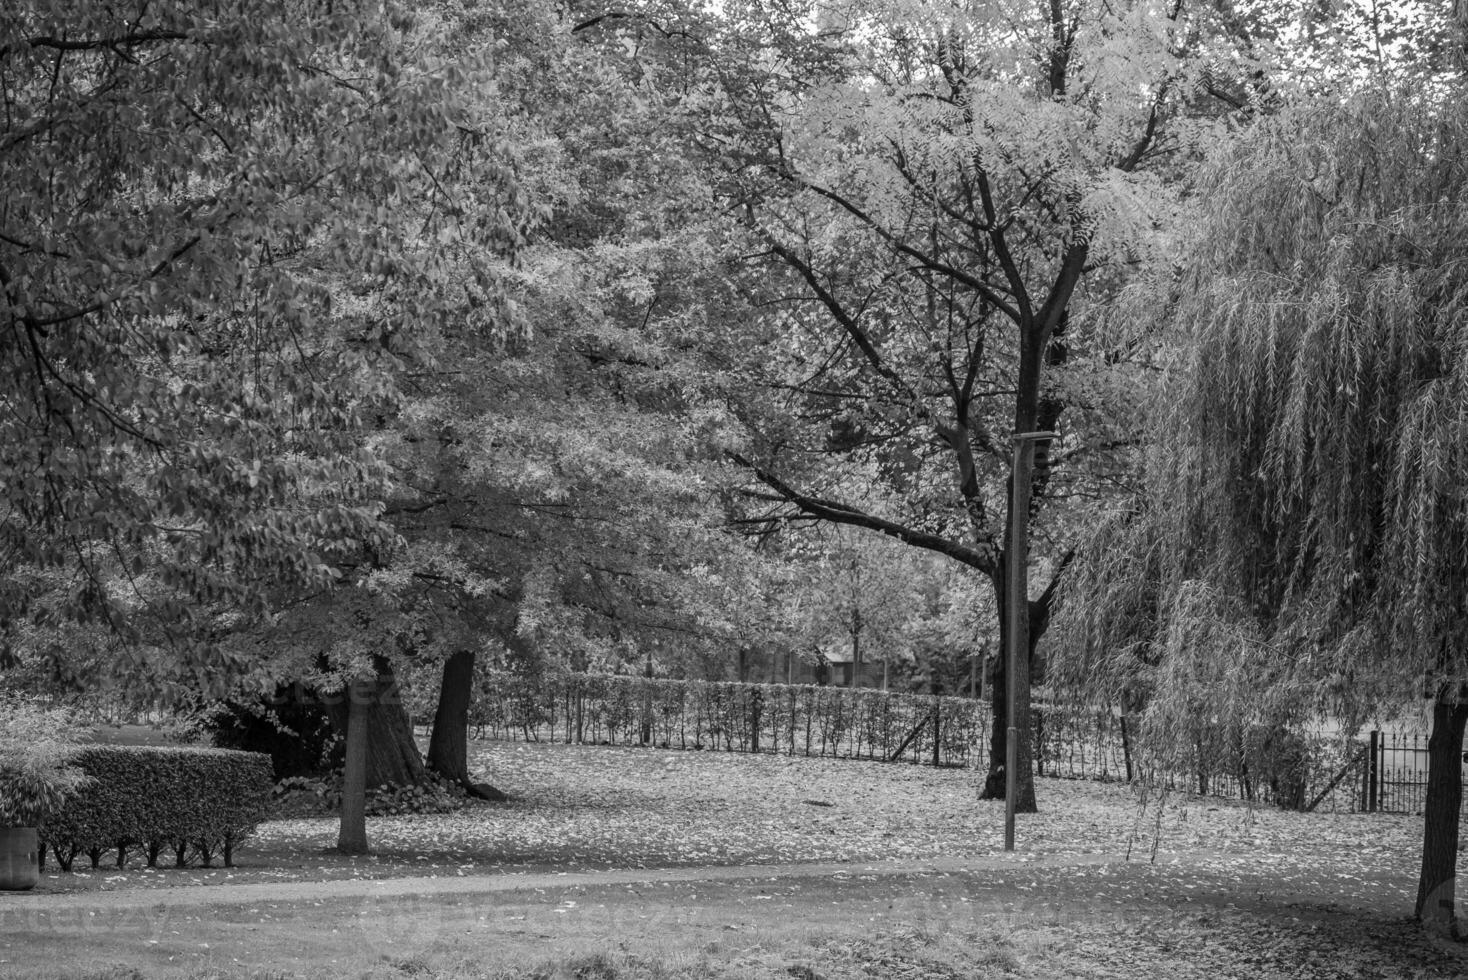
(830, 664)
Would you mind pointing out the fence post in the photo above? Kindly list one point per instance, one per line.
(1373, 772)
(647, 709)
(755, 700)
(937, 729)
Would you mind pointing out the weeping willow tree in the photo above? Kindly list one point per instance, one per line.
(1302, 548)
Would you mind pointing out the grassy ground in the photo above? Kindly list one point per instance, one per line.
(588, 807)
(1211, 889)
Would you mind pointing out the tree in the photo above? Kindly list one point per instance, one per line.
(548, 484)
(937, 210)
(206, 248)
(221, 228)
(859, 595)
(1305, 546)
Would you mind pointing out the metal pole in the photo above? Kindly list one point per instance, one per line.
(1019, 514)
(1374, 773)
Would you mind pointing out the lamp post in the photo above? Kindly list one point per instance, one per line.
(1018, 612)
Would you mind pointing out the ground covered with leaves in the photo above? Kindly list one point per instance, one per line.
(591, 807)
(1105, 885)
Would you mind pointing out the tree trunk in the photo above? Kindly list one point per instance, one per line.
(994, 788)
(361, 699)
(392, 754)
(1435, 886)
(1041, 344)
(448, 745)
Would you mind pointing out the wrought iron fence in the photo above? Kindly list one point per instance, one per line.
(1394, 773)
(1383, 771)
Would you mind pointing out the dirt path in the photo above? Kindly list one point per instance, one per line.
(202, 896)
(350, 928)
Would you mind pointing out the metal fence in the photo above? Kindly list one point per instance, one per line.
(1394, 773)
(1379, 772)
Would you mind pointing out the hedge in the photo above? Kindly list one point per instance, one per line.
(793, 719)
(1069, 742)
(191, 802)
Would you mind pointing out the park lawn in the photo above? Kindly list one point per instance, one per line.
(1104, 887)
(593, 807)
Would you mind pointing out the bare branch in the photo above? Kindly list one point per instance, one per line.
(983, 559)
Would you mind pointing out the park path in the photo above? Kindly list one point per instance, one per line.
(199, 896)
(1071, 904)
(1060, 879)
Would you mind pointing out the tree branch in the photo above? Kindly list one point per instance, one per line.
(89, 44)
(926, 261)
(982, 559)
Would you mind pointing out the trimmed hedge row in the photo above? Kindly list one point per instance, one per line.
(794, 719)
(1076, 743)
(190, 802)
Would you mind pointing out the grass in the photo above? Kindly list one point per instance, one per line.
(1233, 891)
(588, 808)
(1187, 947)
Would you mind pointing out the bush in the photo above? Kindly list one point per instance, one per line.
(36, 773)
(193, 802)
(292, 726)
(837, 721)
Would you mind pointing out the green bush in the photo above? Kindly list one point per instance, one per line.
(721, 715)
(192, 802)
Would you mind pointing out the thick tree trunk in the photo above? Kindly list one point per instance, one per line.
(360, 698)
(392, 754)
(1041, 344)
(994, 788)
(448, 745)
(1436, 885)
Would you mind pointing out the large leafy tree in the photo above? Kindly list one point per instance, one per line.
(214, 222)
(222, 226)
(1304, 547)
(547, 482)
(937, 208)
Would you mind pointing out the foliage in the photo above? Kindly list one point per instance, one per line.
(291, 726)
(155, 798)
(221, 229)
(322, 796)
(37, 770)
(936, 217)
(1305, 547)
(1305, 542)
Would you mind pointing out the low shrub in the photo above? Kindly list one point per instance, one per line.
(36, 773)
(191, 802)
